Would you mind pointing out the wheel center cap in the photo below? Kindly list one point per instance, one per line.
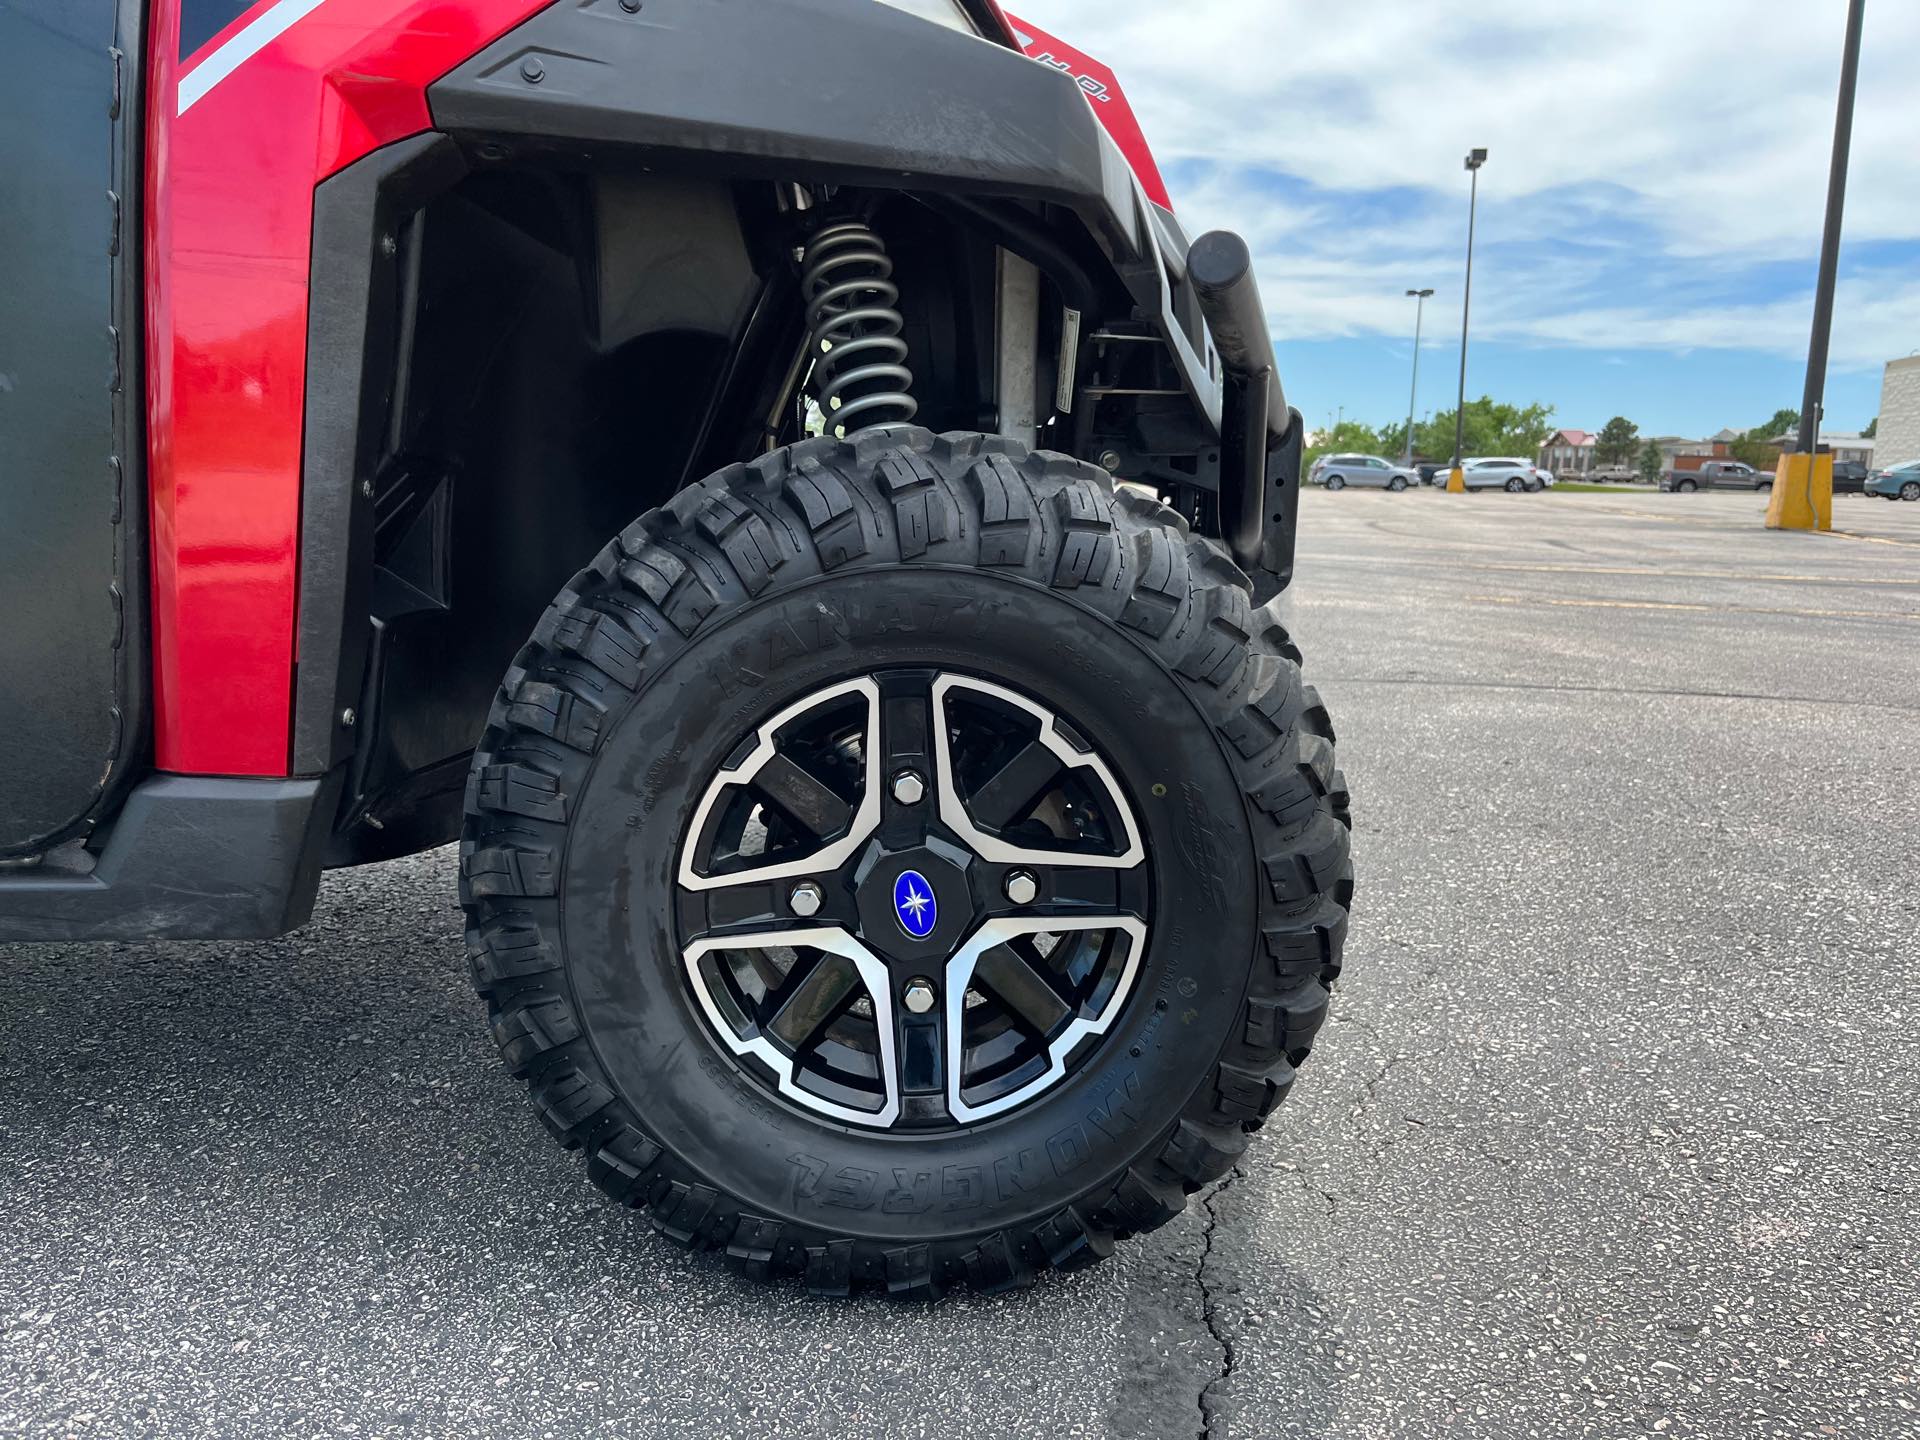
(914, 904)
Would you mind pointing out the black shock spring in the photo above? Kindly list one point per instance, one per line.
(860, 376)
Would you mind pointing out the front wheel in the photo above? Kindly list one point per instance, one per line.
(1397, 484)
(1765, 487)
(907, 861)
(1910, 490)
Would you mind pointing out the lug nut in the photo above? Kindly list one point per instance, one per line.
(909, 788)
(806, 899)
(918, 996)
(1022, 888)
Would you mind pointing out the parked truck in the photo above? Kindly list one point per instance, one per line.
(896, 858)
(1690, 473)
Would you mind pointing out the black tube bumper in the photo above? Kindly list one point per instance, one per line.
(1259, 432)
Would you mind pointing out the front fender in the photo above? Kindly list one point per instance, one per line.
(827, 91)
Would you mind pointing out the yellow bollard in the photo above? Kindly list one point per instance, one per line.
(1802, 497)
(1456, 481)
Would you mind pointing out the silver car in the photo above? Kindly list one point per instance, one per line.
(1336, 472)
(1503, 472)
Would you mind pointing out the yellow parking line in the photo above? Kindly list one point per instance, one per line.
(1870, 539)
(1677, 605)
(1723, 522)
(1658, 574)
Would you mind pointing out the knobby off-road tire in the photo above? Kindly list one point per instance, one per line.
(835, 559)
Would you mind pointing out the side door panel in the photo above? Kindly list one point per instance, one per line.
(72, 536)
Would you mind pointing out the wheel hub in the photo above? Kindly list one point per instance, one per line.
(915, 899)
(915, 904)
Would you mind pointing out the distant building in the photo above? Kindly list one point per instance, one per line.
(1898, 438)
(1672, 447)
(1848, 445)
(1841, 444)
(1567, 452)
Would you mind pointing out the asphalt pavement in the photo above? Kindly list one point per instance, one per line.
(1613, 1132)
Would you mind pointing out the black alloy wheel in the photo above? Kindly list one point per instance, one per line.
(907, 861)
(915, 902)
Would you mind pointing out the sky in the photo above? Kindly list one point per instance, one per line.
(1649, 219)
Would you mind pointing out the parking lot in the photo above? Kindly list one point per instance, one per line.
(1613, 1133)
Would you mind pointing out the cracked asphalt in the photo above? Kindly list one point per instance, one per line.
(1612, 1133)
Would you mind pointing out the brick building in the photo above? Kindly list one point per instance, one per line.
(1568, 452)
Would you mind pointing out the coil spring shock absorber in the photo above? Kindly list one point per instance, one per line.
(860, 376)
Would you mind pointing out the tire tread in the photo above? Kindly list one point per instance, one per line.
(904, 497)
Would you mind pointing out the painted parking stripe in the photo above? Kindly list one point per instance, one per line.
(269, 25)
(1534, 600)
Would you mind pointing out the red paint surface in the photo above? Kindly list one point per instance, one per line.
(229, 217)
(1109, 101)
(1000, 18)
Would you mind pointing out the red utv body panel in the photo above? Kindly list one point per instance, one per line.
(240, 132)
(231, 167)
(1103, 92)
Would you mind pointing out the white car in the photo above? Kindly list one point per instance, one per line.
(1336, 472)
(1502, 472)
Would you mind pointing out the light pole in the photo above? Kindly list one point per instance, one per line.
(1419, 304)
(1802, 498)
(1456, 479)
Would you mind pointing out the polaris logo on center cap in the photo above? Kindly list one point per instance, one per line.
(914, 905)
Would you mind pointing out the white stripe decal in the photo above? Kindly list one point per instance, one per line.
(265, 28)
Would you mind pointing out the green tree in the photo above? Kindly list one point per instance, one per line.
(1491, 428)
(1393, 440)
(1618, 439)
(1873, 429)
(1651, 463)
(1754, 450)
(1757, 447)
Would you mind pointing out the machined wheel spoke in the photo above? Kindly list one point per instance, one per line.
(803, 799)
(906, 723)
(818, 996)
(922, 1050)
(1018, 786)
(1073, 890)
(1019, 782)
(989, 962)
(1005, 973)
(799, 796)
(806, 1012)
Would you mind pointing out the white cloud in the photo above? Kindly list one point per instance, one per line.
(1694, 131)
